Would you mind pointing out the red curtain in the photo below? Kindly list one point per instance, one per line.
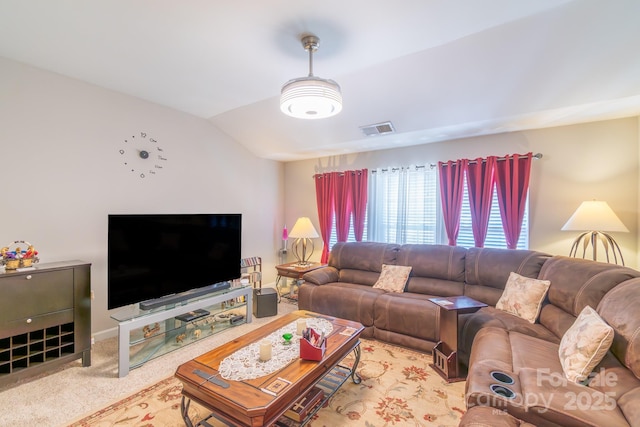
(325, 203)
(342, 203)
(512, 185)
(359, 191)
(451, 181)
(480, 181)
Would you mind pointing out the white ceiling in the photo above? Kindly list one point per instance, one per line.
(438, 69)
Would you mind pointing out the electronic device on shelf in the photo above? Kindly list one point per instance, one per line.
(176, 298)
(193, 315)
(177, 256)
(236, 319)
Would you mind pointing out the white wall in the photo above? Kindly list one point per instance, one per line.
(597, 160)
(63, 173)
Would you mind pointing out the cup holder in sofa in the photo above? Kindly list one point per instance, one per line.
(502, 391)
(501, 377)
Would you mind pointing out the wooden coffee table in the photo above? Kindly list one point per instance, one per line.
(245, 403)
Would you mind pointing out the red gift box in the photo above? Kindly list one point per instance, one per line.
(313, 347)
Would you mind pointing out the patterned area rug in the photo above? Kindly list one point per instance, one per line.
(398, 388)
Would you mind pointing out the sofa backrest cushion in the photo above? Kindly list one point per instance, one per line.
(619, 308)
(487, 270)
(435, 269)
(361, 262)
(437, 261)
(577, 282)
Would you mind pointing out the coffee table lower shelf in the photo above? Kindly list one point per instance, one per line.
(329, 384)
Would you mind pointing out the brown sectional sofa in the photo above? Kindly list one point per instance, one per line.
(491, 339)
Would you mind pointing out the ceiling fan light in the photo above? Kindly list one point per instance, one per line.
(311, 98)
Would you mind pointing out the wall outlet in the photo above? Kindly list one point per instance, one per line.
(93, 340)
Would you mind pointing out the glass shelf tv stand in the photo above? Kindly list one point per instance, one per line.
(146, 334)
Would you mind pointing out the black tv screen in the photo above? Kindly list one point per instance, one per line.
(151, 256)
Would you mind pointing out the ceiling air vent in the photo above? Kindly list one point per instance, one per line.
(378, 129)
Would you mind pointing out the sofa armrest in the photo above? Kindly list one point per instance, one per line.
(321, 276)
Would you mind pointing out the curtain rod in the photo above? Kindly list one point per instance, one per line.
(536, 156)
(341, 173)
(400, 168)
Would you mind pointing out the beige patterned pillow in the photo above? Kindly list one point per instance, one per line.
(393, 278)
(523, 296)
(584, 345)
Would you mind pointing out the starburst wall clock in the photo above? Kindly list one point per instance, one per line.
(142, 155)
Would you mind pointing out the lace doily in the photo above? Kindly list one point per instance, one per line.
(245, 363)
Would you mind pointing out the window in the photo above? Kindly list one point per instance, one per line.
(495, 233)
(351, 238)
(404, 207)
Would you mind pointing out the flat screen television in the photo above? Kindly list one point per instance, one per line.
(152, 256)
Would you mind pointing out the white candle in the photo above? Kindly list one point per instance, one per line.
(265, 350)
(301, 325)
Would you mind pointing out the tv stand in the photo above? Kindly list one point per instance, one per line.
(146, 334)
(176, 298)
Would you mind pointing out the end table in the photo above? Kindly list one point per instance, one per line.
(445, 353)
(295, 271)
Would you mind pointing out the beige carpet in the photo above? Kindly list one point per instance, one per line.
(398, 388)
(64, 395)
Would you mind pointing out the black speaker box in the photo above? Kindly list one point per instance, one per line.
(265, 302)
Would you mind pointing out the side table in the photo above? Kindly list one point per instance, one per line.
(293, 270)
(445, 353)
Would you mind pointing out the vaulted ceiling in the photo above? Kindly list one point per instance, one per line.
(437, 69)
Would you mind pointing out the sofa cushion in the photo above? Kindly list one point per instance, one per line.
(576, 282)
(555, 319)
(566, 403)
(407, 314)
(619, 308)
(487, 270)
(393, 278)
(523, 296)
(470, 324)
(436, 269)
(320, 276)
(486, 416)
(363, 256)
(431, 286)
(435, 261)
(584, 345)
(628, 402)
(349, 301)
(543, 395)
(360, 277)
(612, 377)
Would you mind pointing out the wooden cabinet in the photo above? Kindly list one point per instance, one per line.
(45, 318)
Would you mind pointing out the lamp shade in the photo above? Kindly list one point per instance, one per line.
(303, 229)
(311, 98)
(594, 215)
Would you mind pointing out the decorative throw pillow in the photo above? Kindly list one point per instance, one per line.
(393, 278)
(584, 345)
(523, 296)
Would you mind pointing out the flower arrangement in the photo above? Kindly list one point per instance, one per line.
(13, 256)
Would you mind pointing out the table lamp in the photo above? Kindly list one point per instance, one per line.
(302, 247)
(595, 218)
